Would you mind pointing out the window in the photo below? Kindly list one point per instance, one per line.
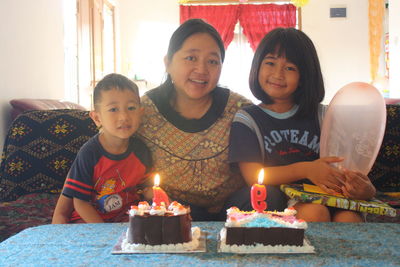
(90, 51)
(236, 68)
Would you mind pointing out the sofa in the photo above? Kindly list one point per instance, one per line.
(41, 145)
(39, 149)
(20, 105)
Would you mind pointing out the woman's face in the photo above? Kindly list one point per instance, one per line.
(196, 67)
(278, 77)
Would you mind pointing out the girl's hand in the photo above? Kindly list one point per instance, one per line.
(357, 186)
(328, 178)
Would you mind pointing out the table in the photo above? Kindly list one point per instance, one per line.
(336, 244)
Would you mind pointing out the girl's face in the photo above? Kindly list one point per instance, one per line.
(196, 67)
(278, 77)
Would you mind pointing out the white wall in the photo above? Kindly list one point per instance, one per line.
(394, 43)
(342, 43)
(31, 53)
(142, 51)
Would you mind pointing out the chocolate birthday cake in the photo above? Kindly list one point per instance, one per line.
(151, 227)
(262, 229)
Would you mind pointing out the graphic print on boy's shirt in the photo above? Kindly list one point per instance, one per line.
(107, 199)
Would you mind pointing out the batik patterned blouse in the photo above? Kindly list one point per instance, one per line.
(191, 155)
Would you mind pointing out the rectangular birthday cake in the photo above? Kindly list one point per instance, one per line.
(267, 229)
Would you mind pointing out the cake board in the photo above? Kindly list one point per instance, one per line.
(117, 249)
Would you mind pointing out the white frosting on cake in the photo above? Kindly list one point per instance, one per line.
(160, 210)
(143, 205)
(143, 208)
(177, 208)
(237, 218)
(134, 211)
(196, 233)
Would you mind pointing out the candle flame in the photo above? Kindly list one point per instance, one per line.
(261, 176)
(156, 179)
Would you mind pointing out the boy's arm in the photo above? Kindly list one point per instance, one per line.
(63, 210)
(146, 188)
(318, 171)
(87, 212)
(147, 194)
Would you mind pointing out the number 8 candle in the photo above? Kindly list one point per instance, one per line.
(259, 194)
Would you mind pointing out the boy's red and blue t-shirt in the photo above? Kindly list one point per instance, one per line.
(107, 180)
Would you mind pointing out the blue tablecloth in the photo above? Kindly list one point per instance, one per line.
(336, 244)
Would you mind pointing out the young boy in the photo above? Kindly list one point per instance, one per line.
(103, 178)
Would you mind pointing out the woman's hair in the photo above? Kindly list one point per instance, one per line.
(187, 29)
(113, 81)
(297, 48)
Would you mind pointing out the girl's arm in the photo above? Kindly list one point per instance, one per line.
(87, 212)
(318, 171)
(63, 210)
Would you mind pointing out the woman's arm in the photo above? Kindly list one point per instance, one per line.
(63, 210)
(318, 171)
(87, 212)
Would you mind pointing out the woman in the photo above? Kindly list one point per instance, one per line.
(186, 125)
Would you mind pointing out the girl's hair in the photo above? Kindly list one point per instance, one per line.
(297, 48)
(113, 81)
(187, 29)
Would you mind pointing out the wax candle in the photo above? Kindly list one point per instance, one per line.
(259, 194)
(159, 195)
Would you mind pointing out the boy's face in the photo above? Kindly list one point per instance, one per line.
(118, 113)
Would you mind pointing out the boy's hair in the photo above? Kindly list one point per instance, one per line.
(187, 29)
(113, 81)
(298, 48)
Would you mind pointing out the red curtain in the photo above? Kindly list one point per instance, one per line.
(258, 20)
(223, 18)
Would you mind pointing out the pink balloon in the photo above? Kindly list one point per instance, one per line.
(353, 126)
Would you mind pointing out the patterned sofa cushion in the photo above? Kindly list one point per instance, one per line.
(385, 173)
(39, 149)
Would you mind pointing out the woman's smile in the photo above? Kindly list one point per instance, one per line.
(196, 67)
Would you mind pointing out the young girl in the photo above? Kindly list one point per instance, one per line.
(286, 77)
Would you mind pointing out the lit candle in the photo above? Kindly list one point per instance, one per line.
(159, 195)
(259, 194)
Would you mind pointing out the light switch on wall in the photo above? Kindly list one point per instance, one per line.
(338, 12)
